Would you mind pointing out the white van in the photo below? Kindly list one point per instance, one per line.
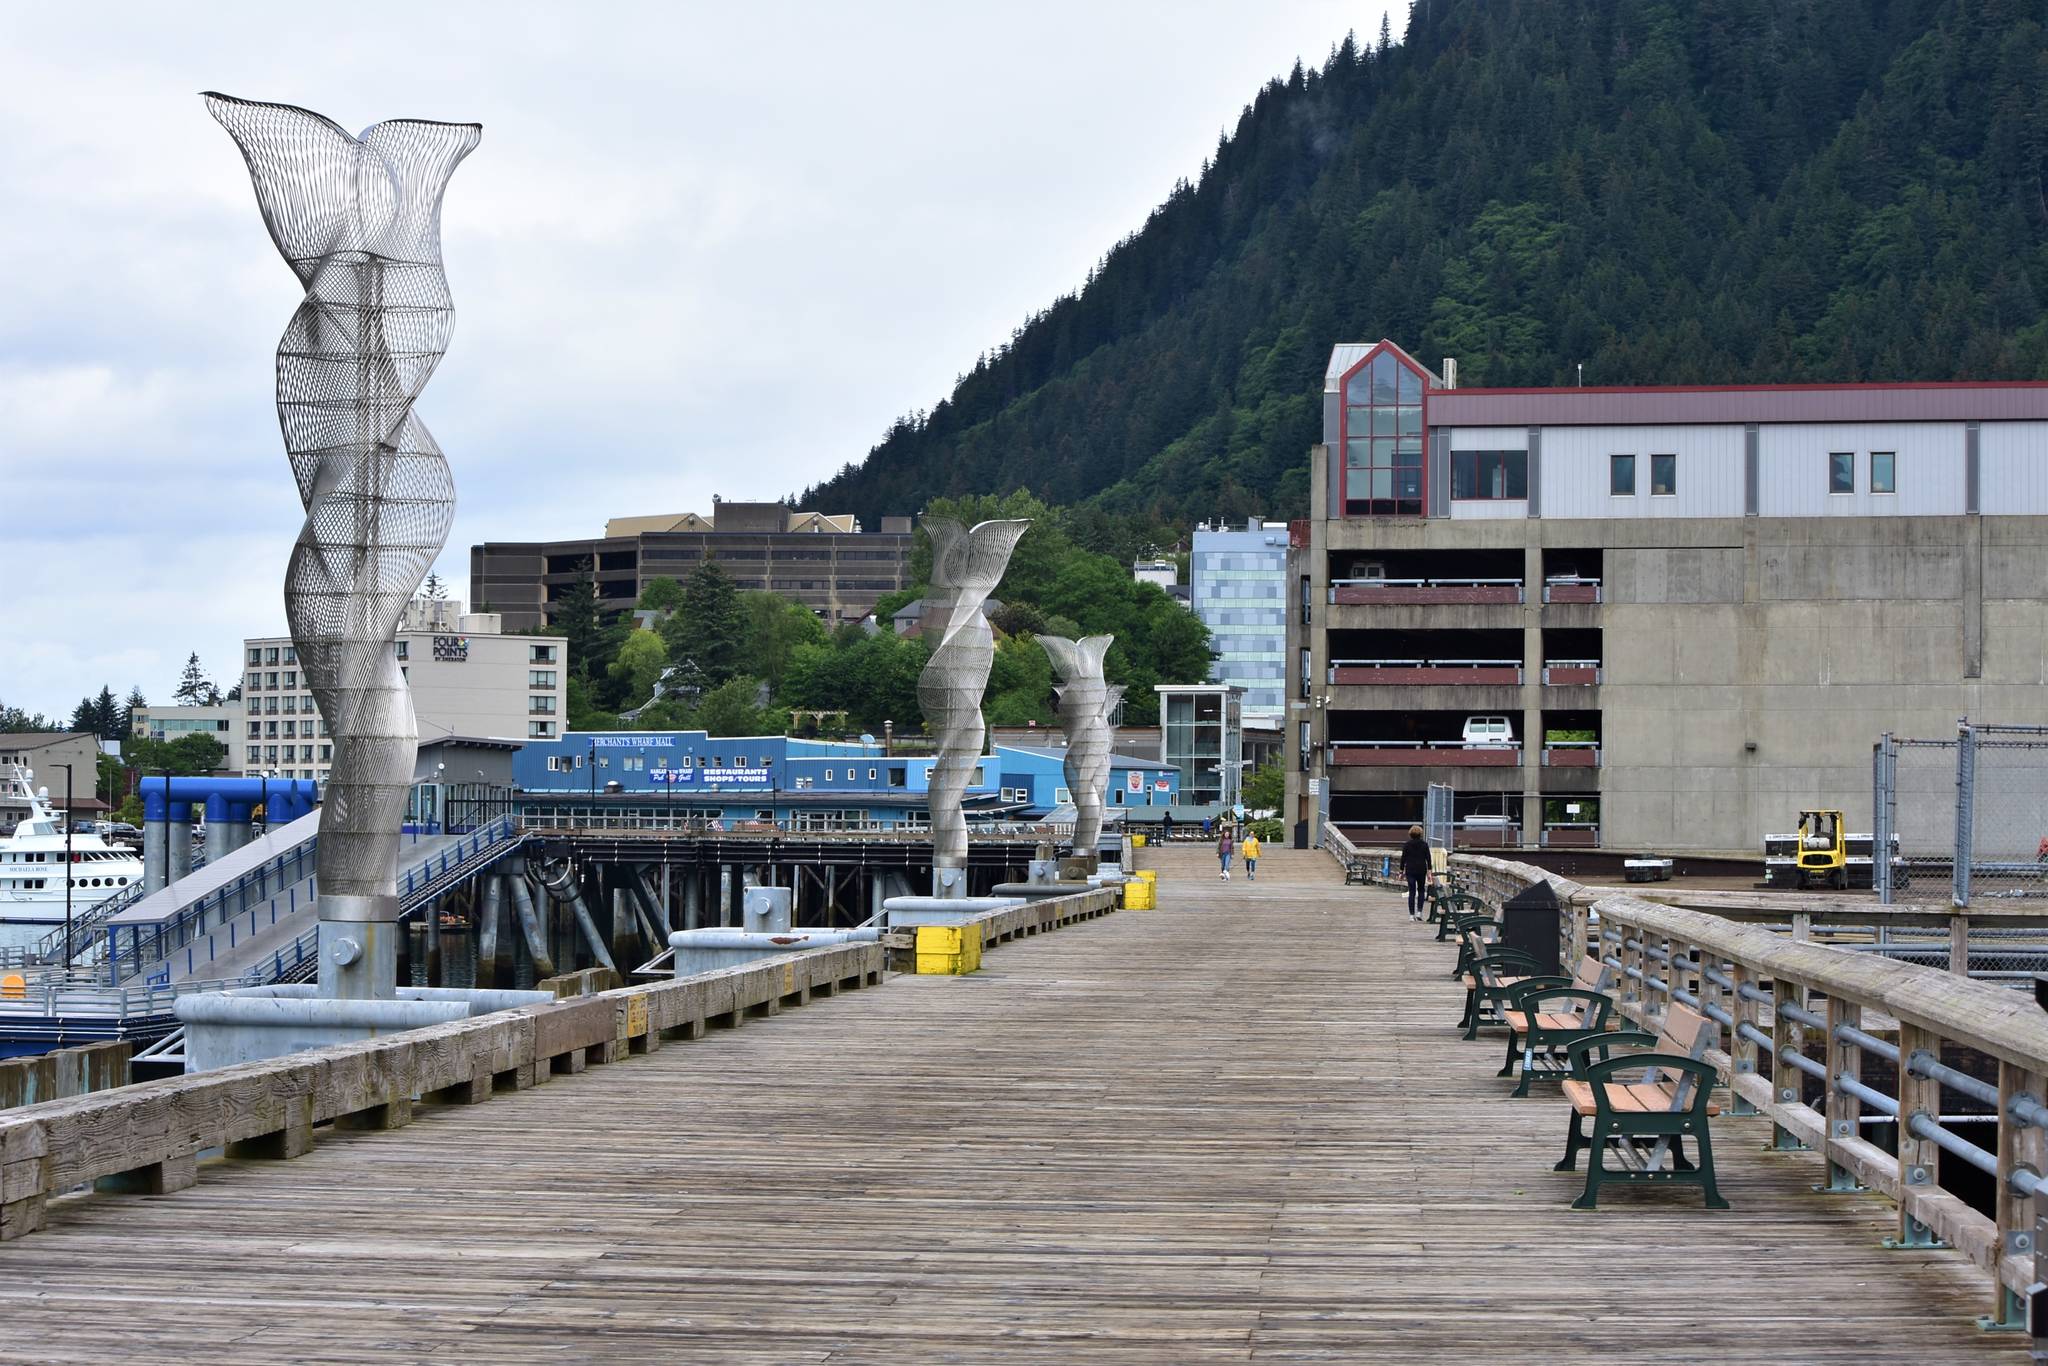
(1489, 732)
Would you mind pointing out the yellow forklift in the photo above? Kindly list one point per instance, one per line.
(1823, 850)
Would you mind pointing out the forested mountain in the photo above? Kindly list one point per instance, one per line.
(1668, 191)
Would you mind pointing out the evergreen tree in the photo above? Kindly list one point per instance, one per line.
(575, 616)
(195, 689)
(106, 715)
(708, 632)
(435, 589)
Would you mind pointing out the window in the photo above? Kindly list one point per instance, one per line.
(271, 730)
(255, 730)
(254, 753)
(326, 755)
(540, 654)
(255, 655)
(540, 730)
(305, 754)
(291, 680)
(270, 657)
(1383, 439)
(270, 754)
(291, 654)
(1663, 475)
(541, 705)
(540, 678)
(1841, 472)
(1305, 672)
(1884, 472)
(871, 775)
(270, 680)
(1489, 474)
(291, 706)
(1621, 476)
(402, 649)
(828, 775)
(1061, 796)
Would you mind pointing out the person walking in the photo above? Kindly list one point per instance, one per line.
(1251, 857)
(1168, 823)
(1415, 866)
(1223, 852)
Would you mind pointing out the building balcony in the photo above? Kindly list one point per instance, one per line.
(1421, 754)
(1426, 671)
(1562, 673)
(1423, 592)
(1571, 835)
(1572, 754)
(1571, 588)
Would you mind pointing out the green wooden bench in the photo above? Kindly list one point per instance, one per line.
(1446, 908)
(1643, 1106)
(1494, 975)
(1544, 1021)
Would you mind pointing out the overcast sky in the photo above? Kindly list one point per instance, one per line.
(702, 249)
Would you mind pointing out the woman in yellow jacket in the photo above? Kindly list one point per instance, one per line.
(1251, 858)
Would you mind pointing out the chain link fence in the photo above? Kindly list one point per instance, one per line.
(1438, 824)
(1970, 814)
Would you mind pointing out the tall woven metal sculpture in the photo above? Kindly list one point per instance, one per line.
(966, 567)
(1085, 702)
(359, 222)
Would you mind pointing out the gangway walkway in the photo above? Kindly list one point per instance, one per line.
(1239, 1126)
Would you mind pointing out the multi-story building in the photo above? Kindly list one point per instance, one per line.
(1657, 618)
(468, 678)
(828, 563)
(1237, 581)
(221, 722)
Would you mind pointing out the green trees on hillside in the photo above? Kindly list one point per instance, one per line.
(1665, 191)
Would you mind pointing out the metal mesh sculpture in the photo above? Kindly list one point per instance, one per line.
(1085, 704)
(966, 567)
(359, 222)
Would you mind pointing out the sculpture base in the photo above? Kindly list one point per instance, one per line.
(249, 1024)
(358, 958)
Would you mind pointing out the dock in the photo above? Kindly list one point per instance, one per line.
(1241, 1126)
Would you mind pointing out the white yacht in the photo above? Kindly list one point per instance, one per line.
(33, 870)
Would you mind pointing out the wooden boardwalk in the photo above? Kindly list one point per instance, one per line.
(1241, 1126)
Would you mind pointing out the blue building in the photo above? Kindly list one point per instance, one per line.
(1238, 586)
(669, 779)
(1033, 775)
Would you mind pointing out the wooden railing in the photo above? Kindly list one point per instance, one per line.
(1775, 997)
(146, 1138)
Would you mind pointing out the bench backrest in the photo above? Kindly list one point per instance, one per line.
(1688, 1034)
(1591, 975)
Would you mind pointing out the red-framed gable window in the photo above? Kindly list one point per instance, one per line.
(1385, 416)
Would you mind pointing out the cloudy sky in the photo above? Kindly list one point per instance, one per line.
(702, 249)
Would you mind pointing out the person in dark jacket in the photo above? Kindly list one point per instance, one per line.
(1415, 866)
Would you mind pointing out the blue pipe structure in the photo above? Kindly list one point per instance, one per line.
(172, 798)
(167, 802)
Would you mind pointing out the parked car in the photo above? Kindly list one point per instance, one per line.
(86, 828)
(1489, 732)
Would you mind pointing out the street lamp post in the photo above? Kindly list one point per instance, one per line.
(593, 784)
(69, 869)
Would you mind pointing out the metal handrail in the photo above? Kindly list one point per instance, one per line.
(1424, 744)
(1432, 583)
(1426, 663)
